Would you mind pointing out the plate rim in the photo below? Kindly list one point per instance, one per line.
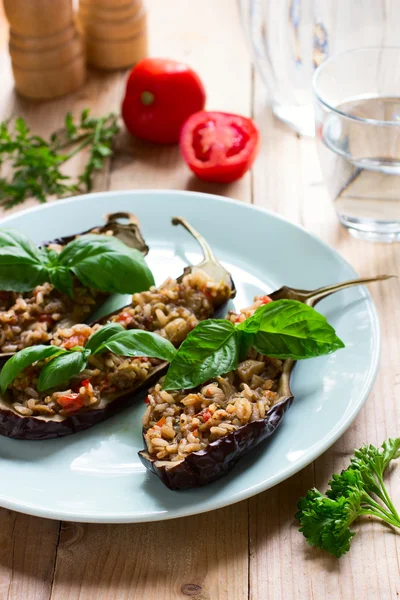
(317, 451)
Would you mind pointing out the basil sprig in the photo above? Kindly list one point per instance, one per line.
(66, 364)
(281, 329)
(290, 329)
(102, 262)
(212, 348)
(24, 358)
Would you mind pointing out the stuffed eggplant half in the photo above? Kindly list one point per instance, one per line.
(109, 381)
(194, 437)
(31, 317)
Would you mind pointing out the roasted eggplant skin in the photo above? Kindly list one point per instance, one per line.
(220, 456)
(210, 464)
(39, 428)
(22, 427)
(129, 232)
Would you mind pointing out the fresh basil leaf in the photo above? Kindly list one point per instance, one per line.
(22, 264)
(11, 238)
(61, 369)
(23, 359)
(136, 342)
(290, 329)
(105, 263)
(211, 349)
(101, 335)
(62, 279)
(245, 341)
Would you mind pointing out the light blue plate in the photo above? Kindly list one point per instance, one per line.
(96, 476)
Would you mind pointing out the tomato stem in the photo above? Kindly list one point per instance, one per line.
(147, 98)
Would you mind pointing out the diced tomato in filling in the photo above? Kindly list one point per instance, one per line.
(206, 291)
(85, 383)
(45, 318)
(206, 415)
(125, 318)
(161, 422)
(265, 299)
(147, 400)
(75, 340)
(71, 402)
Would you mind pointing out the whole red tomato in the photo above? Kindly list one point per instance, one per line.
(160, 95)
(219, 146)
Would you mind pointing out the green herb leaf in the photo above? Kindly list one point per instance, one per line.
(101, 335)
(35, 163)
(24, 358)
(325, 522)
(136, 342)
(211, 349)
(107, 264)
(245, 340)
(62, 279)
(61, 369)
(358, 490)
(291, 329)
(22, 265)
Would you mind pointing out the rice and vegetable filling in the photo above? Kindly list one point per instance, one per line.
(178, 423)
(31, 317)
(171, 310)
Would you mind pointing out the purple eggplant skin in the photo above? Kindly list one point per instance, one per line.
(36, 428)
(129, 232)
(17, 426)
(215, 461)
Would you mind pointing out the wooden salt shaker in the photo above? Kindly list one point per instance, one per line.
(46, 49)
(115, 32)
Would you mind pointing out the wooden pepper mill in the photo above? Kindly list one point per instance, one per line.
(45, 47)
(115, 32)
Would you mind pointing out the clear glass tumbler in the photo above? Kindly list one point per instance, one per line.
(357, 110)
(289, 39)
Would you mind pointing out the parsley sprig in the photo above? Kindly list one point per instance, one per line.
(35, 163)
(325, 520)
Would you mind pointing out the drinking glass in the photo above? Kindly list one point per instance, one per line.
(289, 39)
(357, 111)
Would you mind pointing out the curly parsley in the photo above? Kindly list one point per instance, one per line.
(325, 520)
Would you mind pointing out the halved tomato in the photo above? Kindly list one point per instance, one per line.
(219, 146)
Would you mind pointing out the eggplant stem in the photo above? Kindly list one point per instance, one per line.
(207, 252)
(113, 217)
(311, 297)
(321, 293)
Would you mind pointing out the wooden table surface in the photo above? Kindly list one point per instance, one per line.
(251, 549)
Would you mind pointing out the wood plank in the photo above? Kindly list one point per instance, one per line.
(281, 563)
(27, 556)
(200, 557)
(3, 27)
(203, 557)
